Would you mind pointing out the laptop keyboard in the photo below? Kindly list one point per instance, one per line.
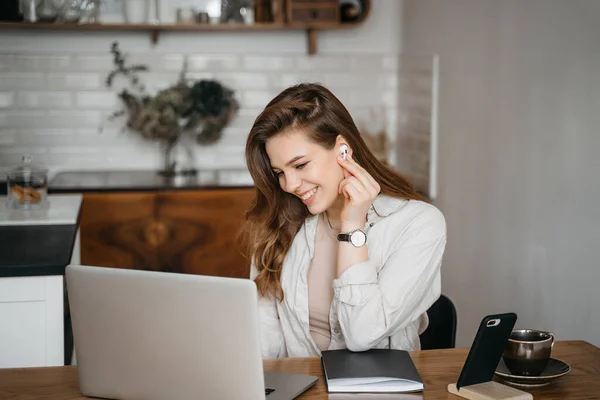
(268, 391)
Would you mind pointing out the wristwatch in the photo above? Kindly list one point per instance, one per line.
(356, 237)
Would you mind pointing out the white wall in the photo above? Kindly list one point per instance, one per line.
(519, 168)
(53, 98)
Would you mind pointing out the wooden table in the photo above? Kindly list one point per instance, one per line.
(438, 368)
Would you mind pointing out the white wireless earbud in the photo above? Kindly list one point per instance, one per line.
(344, 151)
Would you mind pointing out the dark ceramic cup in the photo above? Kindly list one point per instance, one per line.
(528, 351)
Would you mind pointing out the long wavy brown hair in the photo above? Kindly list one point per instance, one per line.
(275, 216)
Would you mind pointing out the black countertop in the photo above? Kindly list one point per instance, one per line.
(32, 250)
(115, 181)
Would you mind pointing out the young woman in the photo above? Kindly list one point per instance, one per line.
(344, 253)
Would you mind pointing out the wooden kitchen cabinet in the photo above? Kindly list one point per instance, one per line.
(118, 230)
(201, 232)
(187, 231)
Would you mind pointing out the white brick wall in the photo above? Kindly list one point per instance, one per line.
(53, 97)
(15, 79)
(6, 99)
(52, 106)
(44, 100)
(417, 132)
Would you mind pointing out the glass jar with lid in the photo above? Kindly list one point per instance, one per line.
(27, 185)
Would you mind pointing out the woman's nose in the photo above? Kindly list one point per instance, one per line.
(292, 183)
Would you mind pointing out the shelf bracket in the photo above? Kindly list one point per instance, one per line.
(312, 41)
(154, 36)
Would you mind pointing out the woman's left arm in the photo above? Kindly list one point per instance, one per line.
(371, 305)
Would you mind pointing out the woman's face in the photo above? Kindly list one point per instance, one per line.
(306, 169)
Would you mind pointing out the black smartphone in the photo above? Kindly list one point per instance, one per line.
(487, 348)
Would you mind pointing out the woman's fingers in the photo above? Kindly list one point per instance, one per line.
(352, 192)
(367, 181)
(358, 192)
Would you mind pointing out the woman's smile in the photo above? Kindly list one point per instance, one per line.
(308, 197)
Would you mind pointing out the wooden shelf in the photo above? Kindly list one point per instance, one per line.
(140, 27)
(155, 30)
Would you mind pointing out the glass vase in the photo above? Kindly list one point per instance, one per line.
(178, 157)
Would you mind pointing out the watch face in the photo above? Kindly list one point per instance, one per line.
(358, 238)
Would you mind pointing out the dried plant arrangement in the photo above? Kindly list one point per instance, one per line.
(201, 109)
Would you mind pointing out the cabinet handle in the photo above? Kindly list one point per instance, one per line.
(156, 233)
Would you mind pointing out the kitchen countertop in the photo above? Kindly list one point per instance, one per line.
(38, 242)
(58, 210)
(111, 181)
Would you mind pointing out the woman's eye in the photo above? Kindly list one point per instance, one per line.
(278, 174)
(300, 166)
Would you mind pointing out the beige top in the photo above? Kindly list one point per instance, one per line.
(321, 274)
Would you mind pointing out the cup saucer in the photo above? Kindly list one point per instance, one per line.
(554, 370)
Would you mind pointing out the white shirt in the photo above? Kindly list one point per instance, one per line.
(379, 303)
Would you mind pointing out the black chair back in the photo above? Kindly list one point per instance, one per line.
(441, 332)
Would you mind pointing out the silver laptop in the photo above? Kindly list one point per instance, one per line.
(154, 335)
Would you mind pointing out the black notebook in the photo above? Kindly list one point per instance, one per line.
(376, 370)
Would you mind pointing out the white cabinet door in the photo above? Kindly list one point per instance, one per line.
(31, 321)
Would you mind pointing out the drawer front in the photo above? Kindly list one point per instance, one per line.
(23, 335)
(22, 289)
(314, 14)
(31, 322)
